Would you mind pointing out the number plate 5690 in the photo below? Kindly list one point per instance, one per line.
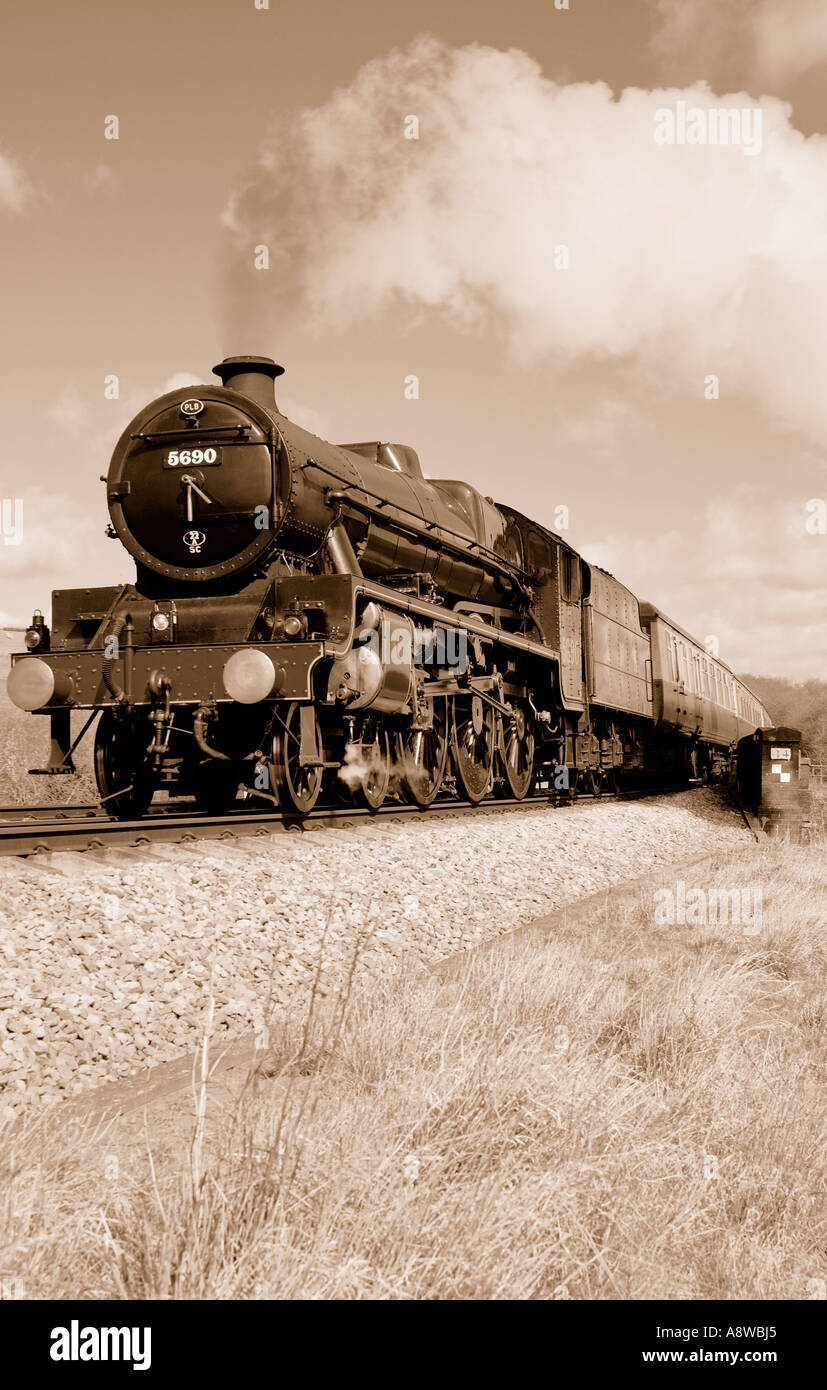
(192, 458)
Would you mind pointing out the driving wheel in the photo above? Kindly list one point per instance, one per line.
(518, 750)
(421, 757)
(472, 745)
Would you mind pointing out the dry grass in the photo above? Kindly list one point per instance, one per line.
(24, 743)
(627, 1111)
(819, 809)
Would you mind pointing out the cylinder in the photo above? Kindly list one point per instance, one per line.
(378, 674)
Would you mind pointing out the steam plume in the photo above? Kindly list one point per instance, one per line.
(687, 260)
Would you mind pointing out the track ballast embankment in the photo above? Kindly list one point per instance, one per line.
(109, 957)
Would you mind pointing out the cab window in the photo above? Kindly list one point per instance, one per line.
(540, 556)
(569, 577)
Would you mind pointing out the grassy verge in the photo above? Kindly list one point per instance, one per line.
(628, 1110)
(24, 743)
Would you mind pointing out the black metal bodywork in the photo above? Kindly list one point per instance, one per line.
(251, 534)
(773, 778)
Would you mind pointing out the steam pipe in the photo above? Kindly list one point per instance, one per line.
(116, 691)
(340, 551)
(129, 658)
(203, 715)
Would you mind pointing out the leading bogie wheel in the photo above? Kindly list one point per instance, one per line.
(122, 770)
(296, 783)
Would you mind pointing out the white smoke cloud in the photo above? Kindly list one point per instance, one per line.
(687, 260)
(776, 40)
(14, 189)
(790, 37)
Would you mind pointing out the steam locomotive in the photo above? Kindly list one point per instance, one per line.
(311, 620)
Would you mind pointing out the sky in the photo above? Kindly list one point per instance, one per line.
(629, 329)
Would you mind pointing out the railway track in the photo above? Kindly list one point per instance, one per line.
(38, 830)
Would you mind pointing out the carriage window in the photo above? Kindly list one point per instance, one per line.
(681, 662)
(673, 652)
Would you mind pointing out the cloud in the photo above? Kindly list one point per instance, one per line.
(179, 380)
(602, 429)
(102, 176)
(70, 412)
(14, 188)
(305, 416)
(748, 554)
(684, 260)
(54, 534)
(790, 37)
(774, 41)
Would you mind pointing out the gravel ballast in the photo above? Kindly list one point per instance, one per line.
(105, 967)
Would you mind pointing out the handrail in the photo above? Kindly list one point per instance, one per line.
(420, 526)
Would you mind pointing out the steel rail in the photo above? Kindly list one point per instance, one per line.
(76, 810)
(24, 838)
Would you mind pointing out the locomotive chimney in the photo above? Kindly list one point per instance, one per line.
(251, 376)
